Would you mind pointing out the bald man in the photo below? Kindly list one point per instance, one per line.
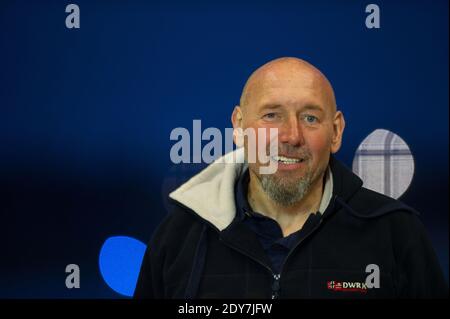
(307, 230)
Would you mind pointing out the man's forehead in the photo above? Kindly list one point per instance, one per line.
(288, 86)
(287, 78)
(287, 93)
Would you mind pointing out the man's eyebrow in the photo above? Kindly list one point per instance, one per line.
(273, 106)
(270, 106)
(313, 107)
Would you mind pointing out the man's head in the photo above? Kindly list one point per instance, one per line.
(296, 98)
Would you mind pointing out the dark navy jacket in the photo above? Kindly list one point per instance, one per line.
(204, 250)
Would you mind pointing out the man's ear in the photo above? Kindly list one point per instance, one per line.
(236, 119)
(338, 130)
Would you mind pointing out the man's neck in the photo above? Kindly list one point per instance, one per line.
(290, 218)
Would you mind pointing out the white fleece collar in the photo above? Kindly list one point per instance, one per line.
(327, 191)
(210, 193)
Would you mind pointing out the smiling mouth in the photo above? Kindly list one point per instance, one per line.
(287, 160)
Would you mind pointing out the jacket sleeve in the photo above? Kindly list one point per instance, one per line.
(146, 286)
(419, 269)
(150, 281)
(169, 257)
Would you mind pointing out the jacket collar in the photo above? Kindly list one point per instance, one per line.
(345, 182)
(211, 193)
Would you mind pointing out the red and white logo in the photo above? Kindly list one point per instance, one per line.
(372, 281)
(347, 286)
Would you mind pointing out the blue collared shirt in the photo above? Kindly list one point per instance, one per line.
(267, 230)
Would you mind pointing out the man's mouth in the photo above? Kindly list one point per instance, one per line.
(287, 160)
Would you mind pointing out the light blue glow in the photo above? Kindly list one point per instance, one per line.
(120, 261)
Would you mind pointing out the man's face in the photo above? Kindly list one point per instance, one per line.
(301, 107)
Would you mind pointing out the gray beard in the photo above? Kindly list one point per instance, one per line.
(286, 192)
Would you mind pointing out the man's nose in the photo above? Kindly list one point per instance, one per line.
(291, 132)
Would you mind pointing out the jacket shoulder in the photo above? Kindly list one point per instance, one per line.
(176, 228)
(367, 203)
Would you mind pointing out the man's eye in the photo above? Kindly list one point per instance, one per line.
(270, 116)
(310, 119)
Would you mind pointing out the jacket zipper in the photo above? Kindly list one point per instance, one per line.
(275, 287)
(295, 247)
(275, 277)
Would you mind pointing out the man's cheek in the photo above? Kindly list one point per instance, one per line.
(319, 144)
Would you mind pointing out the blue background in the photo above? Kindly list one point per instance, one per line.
(85, 115)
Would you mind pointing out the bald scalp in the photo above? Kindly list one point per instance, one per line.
(291, 69)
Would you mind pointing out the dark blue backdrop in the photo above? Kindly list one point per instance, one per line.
(85, 115)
